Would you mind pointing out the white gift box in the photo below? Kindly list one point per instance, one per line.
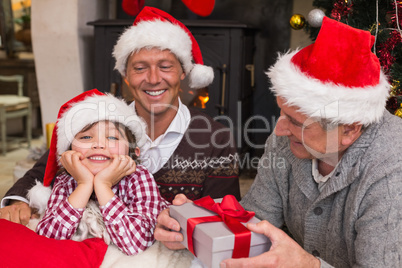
(213, 241)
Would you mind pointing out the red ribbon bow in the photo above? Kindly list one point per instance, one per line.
(232, 214)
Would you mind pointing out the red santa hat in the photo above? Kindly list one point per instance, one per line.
(337, 77)
(85, 109)
(156, 28)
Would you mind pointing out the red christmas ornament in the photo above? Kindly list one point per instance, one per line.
(200, 7)
(132, 7)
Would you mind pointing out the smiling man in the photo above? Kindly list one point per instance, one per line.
(186, 151)
(339, 189)
(340, 193)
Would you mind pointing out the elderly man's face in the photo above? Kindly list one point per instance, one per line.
(308, 140)
(154, 78)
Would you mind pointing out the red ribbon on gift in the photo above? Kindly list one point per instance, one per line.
(232, 214)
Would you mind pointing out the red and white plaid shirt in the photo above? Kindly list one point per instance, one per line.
(130, 216)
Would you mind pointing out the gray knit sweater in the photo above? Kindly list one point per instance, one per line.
(356, 221)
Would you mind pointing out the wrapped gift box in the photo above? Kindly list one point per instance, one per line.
(213, 241)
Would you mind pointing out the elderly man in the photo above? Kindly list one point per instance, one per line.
(186, 151)
(336, 183)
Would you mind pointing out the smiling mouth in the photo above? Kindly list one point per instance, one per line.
(98, 158)
(155, 93)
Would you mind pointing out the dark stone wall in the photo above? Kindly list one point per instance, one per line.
(271, 18)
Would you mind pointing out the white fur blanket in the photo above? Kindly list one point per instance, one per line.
(156, 256)
(92, 225)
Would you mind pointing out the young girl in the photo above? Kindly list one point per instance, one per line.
(99, 191)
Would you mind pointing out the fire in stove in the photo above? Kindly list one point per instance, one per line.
(197, 98)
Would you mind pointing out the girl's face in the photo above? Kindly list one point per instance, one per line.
(98, 143)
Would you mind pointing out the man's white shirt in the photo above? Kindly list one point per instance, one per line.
(320, 179)
(155, 154)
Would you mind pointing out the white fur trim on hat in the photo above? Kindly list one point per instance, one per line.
(337, 103)
(94, 109)
(162, 35)
(38, 197)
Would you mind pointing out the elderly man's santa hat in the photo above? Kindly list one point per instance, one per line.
(85, 109)
(337, 78)
(156, 28)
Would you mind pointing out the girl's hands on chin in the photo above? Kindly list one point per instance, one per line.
(72, 162)
(122, 165)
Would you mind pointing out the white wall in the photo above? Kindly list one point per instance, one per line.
(62, 45)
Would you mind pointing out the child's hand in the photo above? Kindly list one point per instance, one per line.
(72, 162)
(122, 165)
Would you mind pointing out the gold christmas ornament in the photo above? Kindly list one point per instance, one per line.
(297, 21)
(394, 88)
(398, 111)
(392, 92)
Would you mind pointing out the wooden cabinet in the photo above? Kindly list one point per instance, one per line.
(226, 46)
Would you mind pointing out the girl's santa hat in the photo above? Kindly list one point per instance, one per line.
(85, 109)
(156, 28)
(337, 78)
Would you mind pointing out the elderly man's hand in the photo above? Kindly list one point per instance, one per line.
(284, 252)
(167, 229)
(18, 212)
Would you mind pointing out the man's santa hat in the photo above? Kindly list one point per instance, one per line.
(337, 78)
(156, 28)
(83, 110)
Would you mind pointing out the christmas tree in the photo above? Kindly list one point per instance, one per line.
(383, 18)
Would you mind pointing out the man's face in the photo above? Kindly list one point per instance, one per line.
(154, 78)
(308, 140)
